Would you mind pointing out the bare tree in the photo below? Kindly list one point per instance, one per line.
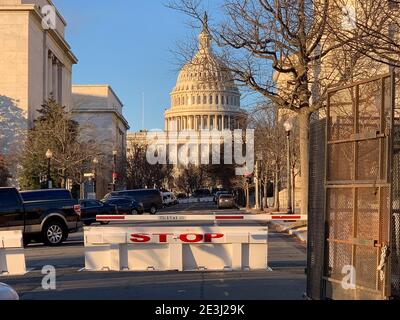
(141, 174)
(291, 40)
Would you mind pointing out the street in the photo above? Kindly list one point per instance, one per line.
(285, 280)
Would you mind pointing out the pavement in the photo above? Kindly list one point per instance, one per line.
(286, 279)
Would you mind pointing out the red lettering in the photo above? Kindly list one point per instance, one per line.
(140, 238)
(209, 236)
(185, 237)
(163, 237)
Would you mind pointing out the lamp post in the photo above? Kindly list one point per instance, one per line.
(288, 125)
(49, 156)
(115, 153)
(95, 163)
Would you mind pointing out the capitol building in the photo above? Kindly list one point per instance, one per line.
(204, 99)
(205, 96)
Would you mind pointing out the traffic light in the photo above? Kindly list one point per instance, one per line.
(115, 178)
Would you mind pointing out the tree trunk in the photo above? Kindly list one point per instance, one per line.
(276, 189)
(304, 124)
(265, 199)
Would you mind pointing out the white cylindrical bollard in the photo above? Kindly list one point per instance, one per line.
(7, 293)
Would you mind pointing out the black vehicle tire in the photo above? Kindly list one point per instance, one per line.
(153, 210)
(54, 233)
(135, 212)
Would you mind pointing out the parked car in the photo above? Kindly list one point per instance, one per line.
(215, 190)
(125, 206)
(169, 199)
(181, 196)
(44, 215)
(151, 198)
(226, 201)
(92, 208)
(216, 197)
(201, 193)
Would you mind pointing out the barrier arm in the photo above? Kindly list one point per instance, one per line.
(208, 218)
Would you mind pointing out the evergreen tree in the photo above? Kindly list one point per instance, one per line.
(4, 172)
(54, 129)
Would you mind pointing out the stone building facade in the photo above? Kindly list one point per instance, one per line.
(37, 62)
(99, 110)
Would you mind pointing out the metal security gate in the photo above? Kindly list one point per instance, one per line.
(358, 224)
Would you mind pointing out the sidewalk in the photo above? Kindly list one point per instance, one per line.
(297, 229)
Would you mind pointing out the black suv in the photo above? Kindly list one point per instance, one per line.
(44, 215)
(150, 198)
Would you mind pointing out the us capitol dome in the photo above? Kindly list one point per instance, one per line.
(205, 96)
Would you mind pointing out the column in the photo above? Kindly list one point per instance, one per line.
(55, 79)
(222, 122)
(59, 81)
(209, 122)
(202, 123)
(216, 122)
(229, 123)
(49, 75)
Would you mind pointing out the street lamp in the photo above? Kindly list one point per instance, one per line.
(288, 125)
(95, 163)
(49, 156)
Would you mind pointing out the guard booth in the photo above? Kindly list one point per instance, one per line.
(354, 207)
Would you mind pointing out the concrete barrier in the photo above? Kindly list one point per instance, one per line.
(126, 248)
(12, 256)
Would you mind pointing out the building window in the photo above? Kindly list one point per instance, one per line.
(198, 100)
(204, 99)
(211, 100)
(217, 99)
(222, 100)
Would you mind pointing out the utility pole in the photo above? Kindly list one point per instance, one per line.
(288, 128)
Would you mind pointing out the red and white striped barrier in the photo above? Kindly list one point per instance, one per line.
(208, 218)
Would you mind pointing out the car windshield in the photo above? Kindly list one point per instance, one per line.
(226, 196)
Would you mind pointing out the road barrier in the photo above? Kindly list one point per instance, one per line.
(144, 248)
(12, 256)
(196, 200)
(203, 218)
(175, 248)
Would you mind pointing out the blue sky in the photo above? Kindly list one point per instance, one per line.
(129, 45)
